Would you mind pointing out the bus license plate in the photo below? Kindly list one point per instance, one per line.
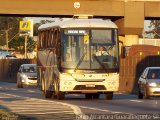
(90, 85)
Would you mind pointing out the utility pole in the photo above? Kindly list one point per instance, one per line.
(6, 34)
(26, 37)
(6, 31)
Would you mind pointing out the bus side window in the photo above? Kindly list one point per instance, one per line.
(52, 38)
(49, 38)
(68, 57)
(39, 40)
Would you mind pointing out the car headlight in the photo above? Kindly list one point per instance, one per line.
(24, 76)
(152, 84)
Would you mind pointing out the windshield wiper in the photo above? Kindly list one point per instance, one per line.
(80, 61)
(101, 64)
(108, 50)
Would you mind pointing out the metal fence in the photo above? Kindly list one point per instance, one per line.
(9, 68)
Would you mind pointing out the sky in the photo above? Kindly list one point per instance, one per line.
(146, 24)
(38, 19)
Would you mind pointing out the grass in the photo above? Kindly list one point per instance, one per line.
(6, 115)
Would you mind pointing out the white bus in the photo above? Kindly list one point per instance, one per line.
(68, 59)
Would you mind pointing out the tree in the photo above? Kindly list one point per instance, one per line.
(18, 44)
(15, 41)
(12, 25)
(36, 26)
(155, 24)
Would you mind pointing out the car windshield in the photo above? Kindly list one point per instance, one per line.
(153, 74)
(29, 69)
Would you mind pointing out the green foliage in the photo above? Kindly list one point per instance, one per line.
(7, 115)
(19, 42)
(14, 40)
(12, 25)
(35, 29)
(36, 26)
(155, 24)
(31, 44)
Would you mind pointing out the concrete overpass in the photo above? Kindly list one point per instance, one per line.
(129, 15)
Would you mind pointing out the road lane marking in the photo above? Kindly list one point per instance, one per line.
(31, 91)
(102, 110)
(10, 95)
(75, 108)
(136, 101)
(57, 109)
(94, 109)
(43, 112)
(5, 97)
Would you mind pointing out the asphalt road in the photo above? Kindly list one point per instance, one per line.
(29, 101)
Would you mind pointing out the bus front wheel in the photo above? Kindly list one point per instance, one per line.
(48, 94)
(60, 95)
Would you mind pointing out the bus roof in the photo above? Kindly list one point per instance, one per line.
(80, 23)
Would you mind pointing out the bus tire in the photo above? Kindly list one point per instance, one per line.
(54, 95)
(109, 95)
(48, 94)
(18, 86)
(61, 95)
(21, 85)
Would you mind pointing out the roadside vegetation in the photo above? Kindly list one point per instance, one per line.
(6, 115)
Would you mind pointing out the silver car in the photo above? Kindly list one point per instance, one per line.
(149, 83)
(27, 75)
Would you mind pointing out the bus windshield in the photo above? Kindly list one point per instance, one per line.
(89, 49)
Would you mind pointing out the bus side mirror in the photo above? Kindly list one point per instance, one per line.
(123, 54)
(122, 49)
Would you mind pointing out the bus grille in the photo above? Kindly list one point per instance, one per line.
(83, 87)
(32, 78)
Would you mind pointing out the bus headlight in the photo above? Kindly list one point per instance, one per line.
(70, 83)
(71, 71)
(78, 76)
(65, 88)
(152, 84)
(67, 83)
(111, 83)
(66, 76)
(106, 75)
